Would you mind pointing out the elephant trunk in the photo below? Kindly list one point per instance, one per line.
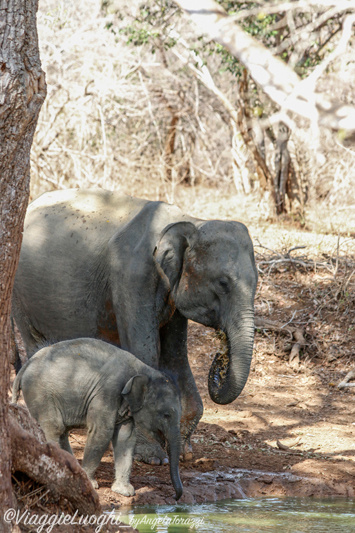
(173, 441)
(230, 368)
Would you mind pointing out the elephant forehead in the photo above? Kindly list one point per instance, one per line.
(225, 229)
(165, 390)
(217, 260)
(217, 254)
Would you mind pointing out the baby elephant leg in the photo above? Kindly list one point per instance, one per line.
(123, 441)
(98, 440)
(53, 429)
(64, 442)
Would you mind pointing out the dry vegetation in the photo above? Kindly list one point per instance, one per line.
(108, 112)
(107, 122)
(118, 116)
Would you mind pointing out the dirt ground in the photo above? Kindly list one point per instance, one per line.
(291, 431)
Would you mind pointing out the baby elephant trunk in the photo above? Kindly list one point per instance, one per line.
(174, 456)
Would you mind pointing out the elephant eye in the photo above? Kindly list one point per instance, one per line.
(223, 285)
(167, 416)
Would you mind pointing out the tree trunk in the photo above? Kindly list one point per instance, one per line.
(245, 125)
(169, 148)
(287, 190)
(282, 167)
(23, 90)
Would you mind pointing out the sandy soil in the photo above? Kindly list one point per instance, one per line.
(301, 409)
(291, 431)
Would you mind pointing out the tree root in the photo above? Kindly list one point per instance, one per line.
(49, 481)
(295, 333)
(49, 465)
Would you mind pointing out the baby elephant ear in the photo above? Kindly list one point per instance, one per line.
(170, 249)
(134, 392)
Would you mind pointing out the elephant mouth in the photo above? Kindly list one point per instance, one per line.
(220, 365)
(159, 436)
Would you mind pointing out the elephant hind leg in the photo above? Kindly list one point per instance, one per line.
(32, 338)
(52, 431)
(64, 442)
(98, 440)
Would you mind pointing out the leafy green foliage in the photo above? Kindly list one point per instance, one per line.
(151, 25)
(292, 39)
(306, 48)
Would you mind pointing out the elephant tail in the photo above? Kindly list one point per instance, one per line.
(16, 387)
(16, 360)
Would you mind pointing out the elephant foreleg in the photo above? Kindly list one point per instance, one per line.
(123, 442)
(98, 440)
(173, 357)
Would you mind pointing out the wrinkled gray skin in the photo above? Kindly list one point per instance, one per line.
(92, 384)
(130, 271)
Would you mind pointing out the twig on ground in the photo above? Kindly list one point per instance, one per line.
(350, 375)
(275, 260)
(283, 447)
(289, 322)
(295, 351)
(295, 333)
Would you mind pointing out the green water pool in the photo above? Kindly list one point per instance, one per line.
(288, 515)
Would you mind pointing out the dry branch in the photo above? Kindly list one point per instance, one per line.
(277, 259)
(278, 80)
(243, 147)
(282, 447)
(274, 260)
(295, 351)
(295, 333)
(350, 375)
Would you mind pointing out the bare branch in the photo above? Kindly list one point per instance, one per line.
(350, 375)
(276, 78)
(302, 5)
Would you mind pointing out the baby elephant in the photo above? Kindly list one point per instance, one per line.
(90, 383)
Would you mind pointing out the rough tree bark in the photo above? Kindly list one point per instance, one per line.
(23, 90)
(169, 147)
(46, 464)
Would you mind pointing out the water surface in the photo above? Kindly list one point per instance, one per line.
(281, 515)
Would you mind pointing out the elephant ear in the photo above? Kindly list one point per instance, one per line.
(134, 392)
(170, 250)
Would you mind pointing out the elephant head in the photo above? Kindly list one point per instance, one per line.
(212, 277)
(155, 406)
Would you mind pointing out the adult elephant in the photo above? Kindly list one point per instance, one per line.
(132, 272)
